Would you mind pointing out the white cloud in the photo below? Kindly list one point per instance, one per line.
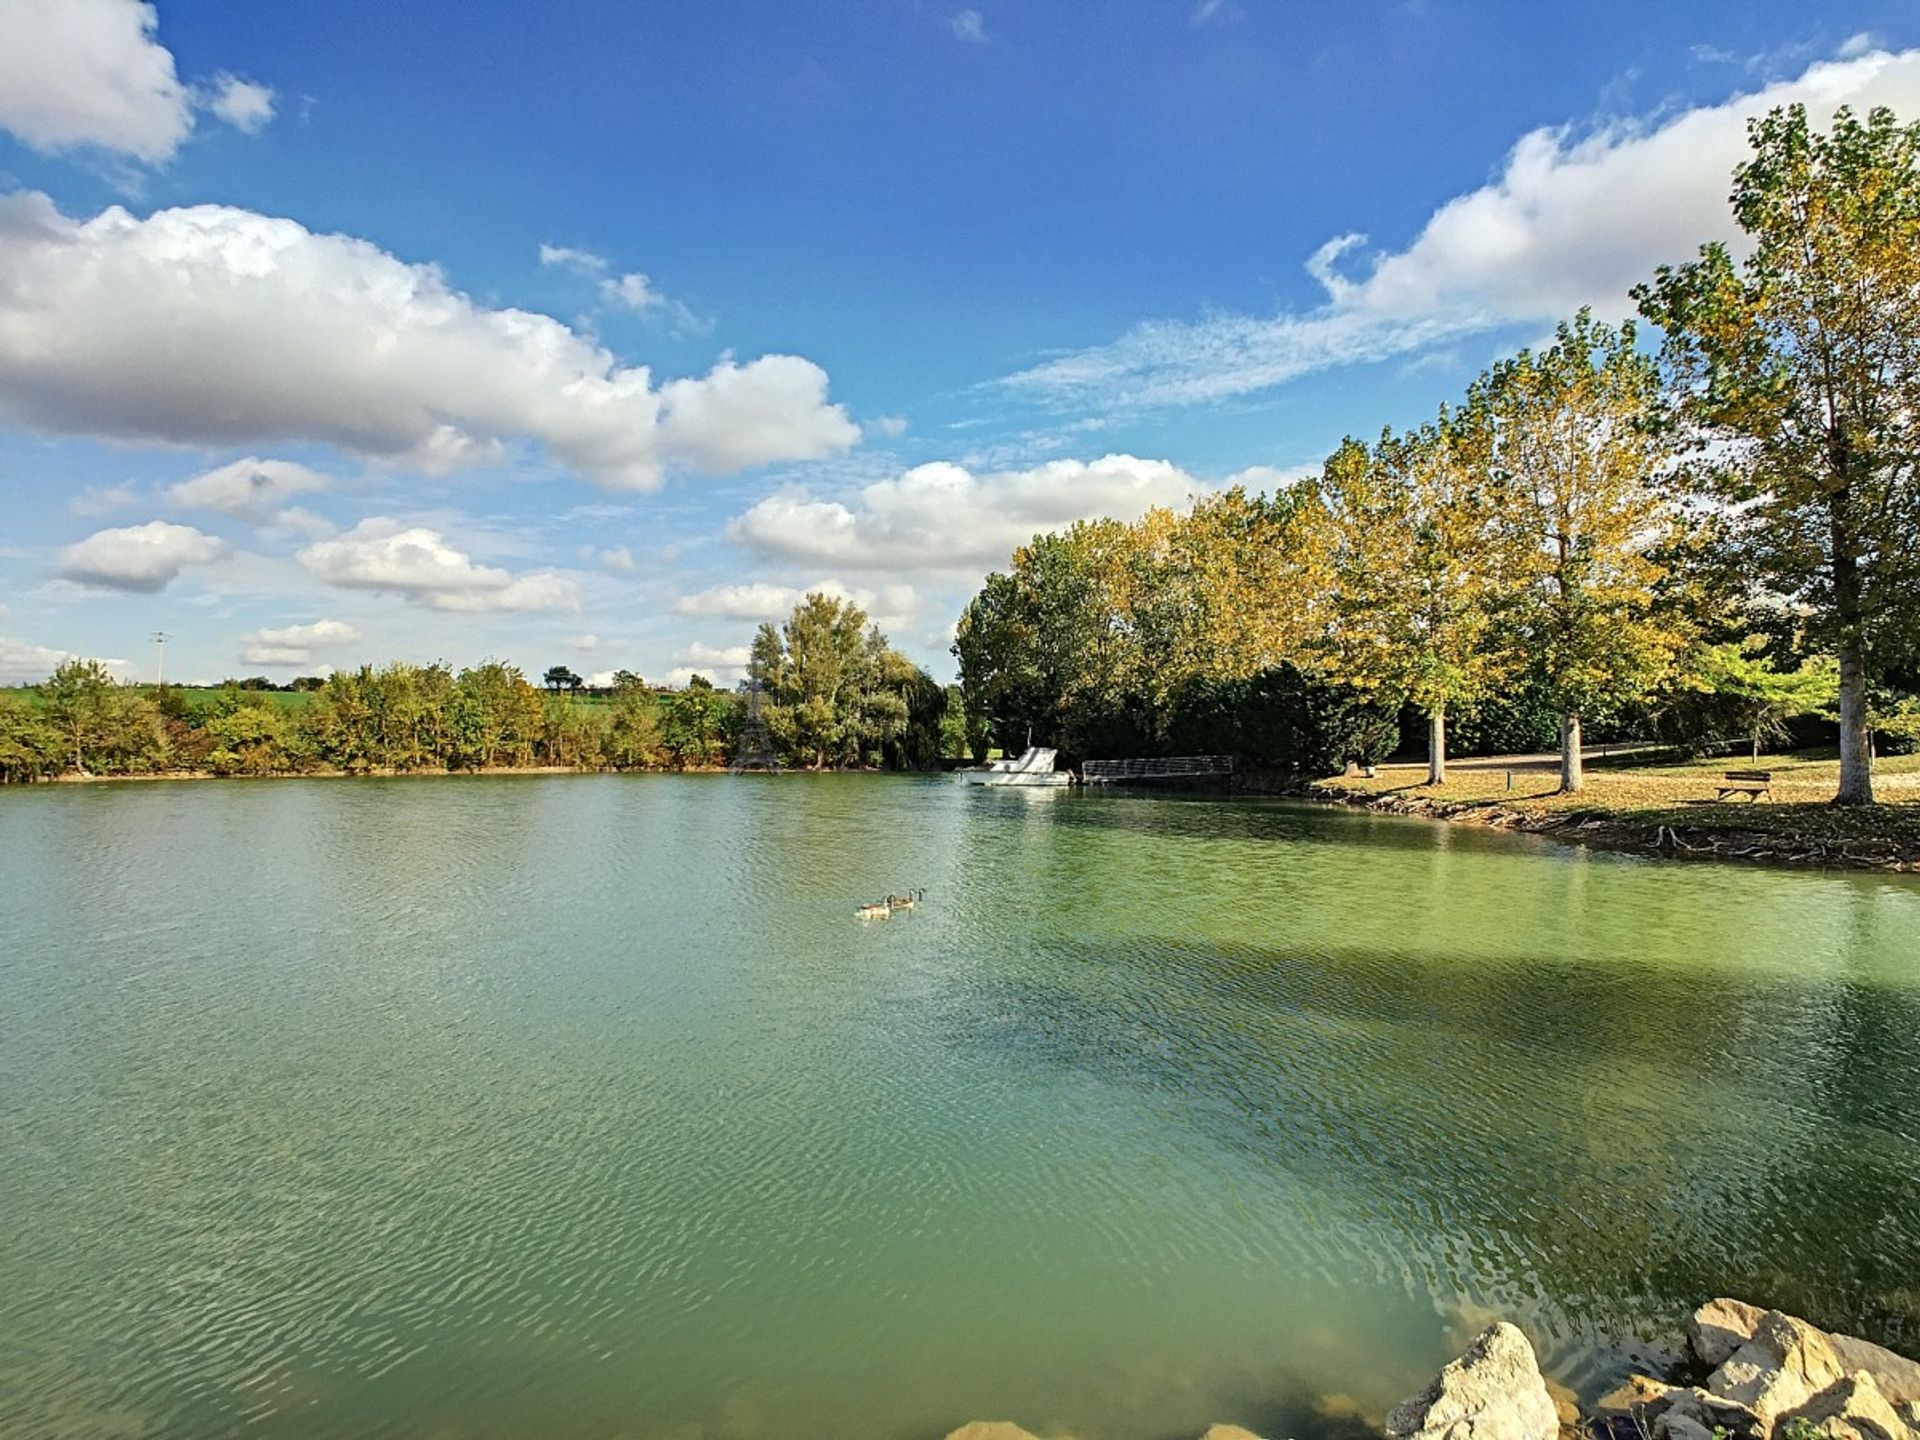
(582, 642)
(601, 679)
(631, 291)
(211, 325)
(617, 559)
(942, 517)
(891, 426)
(145, 557)
(90, 72)
(252, 489)
(419, 564)
(21, 662)
(730, 657)
(971, 26)
(295, 644)
(1571, 220)
(246, 105)
(889, 606)
(103, 500)
(76, 73)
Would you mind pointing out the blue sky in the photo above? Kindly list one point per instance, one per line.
(594, 333)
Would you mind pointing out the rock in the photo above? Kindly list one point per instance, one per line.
(1720, 1327)
(1719, 1417)
(990, 1430)
(1853, 1409)
(1228, 1432)
(1566, 1405)
(1636, 1395)
(1492, 1392)
(1897, 1377)
(1677, 1425)
(1784, 1365)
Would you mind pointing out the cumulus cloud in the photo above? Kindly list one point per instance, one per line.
(419, 564)
(25, 663)
(723, 665)
(295, 644)
(887, 605)
(212, 325)
(246, 105)
(971, 26)
(144, 558)
(1572, 219)
(252, 489)
(77, 73)
(943, 517)
(616, 559)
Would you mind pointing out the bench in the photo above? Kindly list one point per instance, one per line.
(1751, 783)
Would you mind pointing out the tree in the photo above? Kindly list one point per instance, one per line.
(1421, 565)
(558, 678)
(1576, 453)
(1800, 367)
(1758, 696)
(30, 746)
(692, 719)
(90, 711)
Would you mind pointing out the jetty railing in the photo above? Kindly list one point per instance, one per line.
(1189, 768)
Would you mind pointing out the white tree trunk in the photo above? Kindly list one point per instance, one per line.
(1437, 745)
(1573, 775)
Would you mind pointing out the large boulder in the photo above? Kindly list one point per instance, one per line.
(1492, 1392)
(1854, 1409)
(990, 1430)
(1784, 1365)
(1720, 1327)
(1228, 1432)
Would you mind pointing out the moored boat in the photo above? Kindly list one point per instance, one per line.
(1034, 768)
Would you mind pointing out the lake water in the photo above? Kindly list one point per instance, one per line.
(584, 1107)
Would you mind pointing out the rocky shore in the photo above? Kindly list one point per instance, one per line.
(1749, 1374)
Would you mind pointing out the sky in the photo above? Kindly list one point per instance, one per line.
(597, 333)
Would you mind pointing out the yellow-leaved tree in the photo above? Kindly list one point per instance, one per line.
(1577, 453)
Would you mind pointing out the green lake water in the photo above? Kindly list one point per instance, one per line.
(583, 1107)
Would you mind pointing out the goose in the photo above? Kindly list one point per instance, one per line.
(878, 910)
(906, 901)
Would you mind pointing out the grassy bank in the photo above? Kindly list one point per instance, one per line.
(1668, 807)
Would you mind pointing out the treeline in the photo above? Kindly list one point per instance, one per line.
(396, 717)
(1707, 541)
(835, 694)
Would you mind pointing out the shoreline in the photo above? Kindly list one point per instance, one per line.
(1611, 830)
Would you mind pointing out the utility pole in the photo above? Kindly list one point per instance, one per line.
(160, 638)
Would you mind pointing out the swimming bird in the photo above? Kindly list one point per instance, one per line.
(877, 910)
(906, 901)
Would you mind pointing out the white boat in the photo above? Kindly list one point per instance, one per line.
(1035, 768)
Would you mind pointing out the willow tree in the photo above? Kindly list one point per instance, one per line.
(1803, 362)
(1422, 563)
(1580, 461)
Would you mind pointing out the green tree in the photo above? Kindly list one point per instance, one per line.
(1579, 463)
(1802, 363)
(1758, 697)
(98, 720)
(30, 746)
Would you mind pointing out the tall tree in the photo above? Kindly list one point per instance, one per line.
(1803, 361)
(1577, 454)
(1422, 563)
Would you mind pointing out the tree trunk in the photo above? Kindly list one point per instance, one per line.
(1573, 777)
(1856, 759)
(1437, 744)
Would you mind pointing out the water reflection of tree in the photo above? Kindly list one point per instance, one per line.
(1593, 1148)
